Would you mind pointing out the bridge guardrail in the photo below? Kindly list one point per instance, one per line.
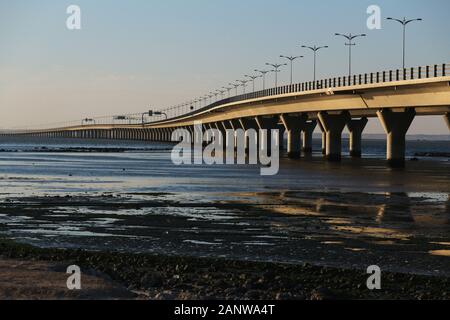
(346, 81)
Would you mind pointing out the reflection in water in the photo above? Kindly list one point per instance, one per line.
(397, 207)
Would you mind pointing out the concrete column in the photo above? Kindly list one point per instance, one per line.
(247, 124)
(447, 119)
(137, 134)
(269, 124)
(205, 129)
(356, 128)
(147, 134)
(294, 125)
(324, 138)
(227, 125)
(235, 125)
(333, 124)
(396, 125)
(191, 131)
(307, 136)
(219, 126)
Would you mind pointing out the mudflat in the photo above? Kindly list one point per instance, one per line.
(31, 273)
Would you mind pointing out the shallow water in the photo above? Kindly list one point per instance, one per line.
(353, 214)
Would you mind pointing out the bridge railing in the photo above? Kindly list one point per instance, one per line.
(423, 72)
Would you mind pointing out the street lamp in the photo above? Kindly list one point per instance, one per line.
(350, 44)
(253, 78)
(235, 86)
(221, 92)
(228, 90)
(276, 67)
(263, 74)
(243, 84)
(315, 49)
(404, 23)
(291, 59)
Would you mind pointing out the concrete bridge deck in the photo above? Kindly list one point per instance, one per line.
(395, 97)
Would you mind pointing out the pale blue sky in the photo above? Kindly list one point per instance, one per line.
(133, 54)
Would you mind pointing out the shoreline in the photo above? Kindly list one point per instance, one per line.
(159, 277)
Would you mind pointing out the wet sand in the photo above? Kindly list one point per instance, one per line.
(182, 278)
(350, 230)
(44, 280)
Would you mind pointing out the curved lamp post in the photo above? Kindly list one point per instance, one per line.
(263, 74)
(404, 23)
(277, 69)
(350, 37)
(291, 59)
(243, 83)
(315, 49)
(253, 78)
(235, 86)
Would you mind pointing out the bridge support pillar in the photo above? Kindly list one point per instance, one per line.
(333, 124)
(294, 125)
(219, 126)
(226, 125)
(396, 125)
(307, 136)
(269, 124)
(324, 138)
(447, 119)
(356, 128)
(191, 131)
(236, 125)
(250, 142)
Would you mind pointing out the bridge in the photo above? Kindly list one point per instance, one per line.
(395, 97)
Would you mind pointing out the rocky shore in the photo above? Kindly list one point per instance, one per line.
(167, 278)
